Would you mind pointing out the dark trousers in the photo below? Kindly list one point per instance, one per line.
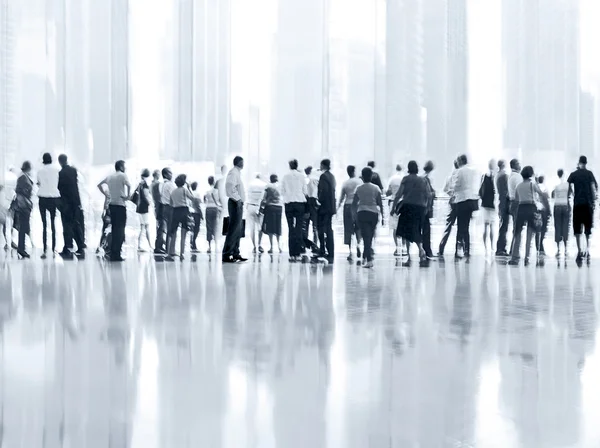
(562, 215)
(325, 230)
(165, 225)
(234, 232)
(504, 215)
(197, 220)
(450, 220)
(118, 216)
(464, 212)
(514, 208)
(539, 241)
(311, 218)
(427, 236)
(294, 213)
(367, 223)
(161, 230)
(24, 227)
(48, 205)
(81, 222)
(70, 216)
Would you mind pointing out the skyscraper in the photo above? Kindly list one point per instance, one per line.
(540, 46)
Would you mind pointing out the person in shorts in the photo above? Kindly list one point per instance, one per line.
(487, 193)
(585, 190)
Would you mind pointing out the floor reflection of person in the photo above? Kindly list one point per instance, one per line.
(23, 206)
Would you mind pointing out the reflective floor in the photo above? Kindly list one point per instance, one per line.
(270, 354)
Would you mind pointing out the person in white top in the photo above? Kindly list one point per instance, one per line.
(466, 198)
(294, 190)
(48, 194)
(255, 194)
(393, 187)
(312, 185)
(234, 189)
(562, 211)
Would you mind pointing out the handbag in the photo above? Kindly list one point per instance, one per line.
(226, 226)
(537, 214)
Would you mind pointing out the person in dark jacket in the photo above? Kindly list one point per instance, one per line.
(487, 193)
(23, 206)
(327, 209)
(503, 208)
(428, 168)
(376, 179)
(70, 209)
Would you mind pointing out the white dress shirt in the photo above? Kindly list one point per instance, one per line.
(294, 187)
(513, 182)
(312, 183)
(234, 187)
(466, 184)
(256, 191)
(47, 178)
(165, 194)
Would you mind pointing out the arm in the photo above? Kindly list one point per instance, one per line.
(128, 187)
(342, 198)
(147, 195)
(379, 203)
(399, 194)
(101, 187)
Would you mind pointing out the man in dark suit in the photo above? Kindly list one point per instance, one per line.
(376, 179)
(327, 208)
(70, 209)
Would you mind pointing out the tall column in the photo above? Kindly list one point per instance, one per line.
(119, 78)
(7, 88)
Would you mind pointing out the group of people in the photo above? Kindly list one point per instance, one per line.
(308, 200)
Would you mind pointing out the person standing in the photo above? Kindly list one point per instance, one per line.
(294, 191)
(545, 213)
(368, 204)
(503, 208)
(273, 209)
(562, 212)
(376, 179)
(23, 206)
(255, 194)
(351, 227)
(487, 193)
(525, 198)
(180, 200)
(428, 168)
(167, 211)
(156, 190)
(326, 212)
(70, 209)
(514, 180)
(310, 217)
(118, 191)
(213, 211)
(466, 189)
(451, 218)
(234, 189)
(393, 187)
(142, 208)
(585, 194)
(48, 194)
(196, 215)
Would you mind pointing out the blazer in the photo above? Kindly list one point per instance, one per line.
(23, 192)
(68, 186)
(326, 193)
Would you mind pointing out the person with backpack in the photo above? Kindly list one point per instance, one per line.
(142, 198)
(487, 193)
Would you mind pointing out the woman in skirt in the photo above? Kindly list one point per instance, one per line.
(213, 210)
(410, 204)
(350, 218)
(273, 211)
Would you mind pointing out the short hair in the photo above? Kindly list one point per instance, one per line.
(293, 164)
(237, 160)
(513, 164)
(194, 186)
(463, 159)
(560, 173)
(273, 178)
(501, 164)
(119, 165)
(211, 180)
(371, 163)
(541, 179)
(413, 167)
(527, 172)
(326, 163)
(367, 174)
(351, 170)
(308, 170)
(167, 173)
(47, 158)
(398, 167)
(455, 164)
(583, 160)
(180, 180)
(26, 167)
(63, 159)
(428, 168)
(156, 174)
(145, 173)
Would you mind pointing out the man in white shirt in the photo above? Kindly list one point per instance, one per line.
(466, 199)
(256, 192)
(48, 194)
(234, 189)
(393, 187)
(294, 190)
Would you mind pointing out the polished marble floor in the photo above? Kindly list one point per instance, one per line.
(269, 354)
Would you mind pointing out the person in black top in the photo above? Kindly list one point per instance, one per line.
(487, 193)
(503, 208)
(142, 201)
(23, 206)
(70, 209)
(376, 179)
(428, 168)
(327, 208)
(585, 195)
